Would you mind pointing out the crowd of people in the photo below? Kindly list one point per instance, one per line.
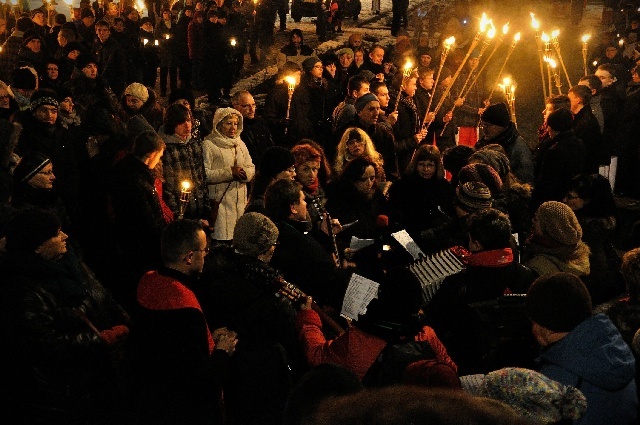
(184, 265)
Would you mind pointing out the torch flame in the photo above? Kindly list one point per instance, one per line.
(186, 185)
(516, 37)
(505, 28)
(544, 37)
(586, 38)
(555, 33)
(621, 42)
(506, 81)
(408, 65)
(492, 31)
(552, 63)
(290, 80)
(534, 22)
(484, 22)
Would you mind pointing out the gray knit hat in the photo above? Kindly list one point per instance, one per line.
(254, 234)
(309, 63)
(559, 223)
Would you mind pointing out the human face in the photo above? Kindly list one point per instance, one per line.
(183, 130)
(195, 257)
(91, 71)
(610, 52)
(46, 114)
(118, 26)
(383, 96)
(166, 16)
(133, 16)
(4, 98)
(359, 58)
(296, 40)
(133, 102)
(410, 87)
(356, 42)
(61, 40)
(229, 126)
(43, 179)
(66, 105)
(369, 114)
(246, 106)
(34, 45)
(573, 201)
(473, 63)
(345, 60)
(425, 61)
(88, 21)
(634, 74)
(54, 248)
(426, 169)
(355, 147)
(52, 71)
(427, 82)
(331, 69)
(38, 19)
(289, 174)
(73, 55)
(147, 27)
(103, 33)
(317, 69)
(547, 111)
(113, 9)
(605, 77)
(377, 56)
(576, 102)
(299, 209)
(307, 172)
(154, 158)
(490, 131)
(365, 183)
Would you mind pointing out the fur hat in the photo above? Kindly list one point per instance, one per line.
(558, 223)
(275, 160)
(29, 166)
(363, 101)
(482, 173)
(137, 90)
(530, 393)
(496, 160)
(29, 229)
(472, 196)
(254, 234)
(309, 63)
(497, 114)
(85, 59)
(23, 78)
(558, 301)
(560, 120)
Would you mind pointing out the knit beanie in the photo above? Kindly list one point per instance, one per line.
(275, 160)
(85, 59)
(558, 223)
(345, 51)
(137, 90)
(29, 229)
(445, 73)
(29, 166)
(309, 63)
(87, 12)
(496, 160)
(254, 234)
(43, 97)
(363, 101)
(23, 78)
(482, 173)
(70, 47)
(472, 196)
(558, 301)
(533, 395)
(497, 114)
(30, 35)
(560, 120)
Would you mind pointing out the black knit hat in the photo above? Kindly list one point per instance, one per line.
(70, 47)
(29, 166)
(29, 229)
(23, 78)
(30, 35)
(85, 59)
(275, 160)
(43, 97)
(473, 196)
(560, 120)
(497, 114)
(559, 302)
(86, 12)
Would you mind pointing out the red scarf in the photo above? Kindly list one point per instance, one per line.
(312, 189)
(493, 258)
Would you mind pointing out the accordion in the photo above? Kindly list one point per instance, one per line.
(433, 269)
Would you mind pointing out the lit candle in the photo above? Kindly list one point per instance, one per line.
(509, 87)
(233, 42)
(166, 36)
(185, 193)
(291, 86)
(145, 41)
(585, 41)
(156, 43)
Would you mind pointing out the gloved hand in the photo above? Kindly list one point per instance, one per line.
(114, 335)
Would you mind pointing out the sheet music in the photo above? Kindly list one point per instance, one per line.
(359, 294)
(357, 243)
(408, 243)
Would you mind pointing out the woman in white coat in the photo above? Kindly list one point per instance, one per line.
(229, 169)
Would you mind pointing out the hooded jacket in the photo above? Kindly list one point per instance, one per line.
(594, 359)
(220, 154)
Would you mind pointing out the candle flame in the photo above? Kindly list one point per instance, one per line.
(595, 63)
(233, 41)
(621, 42)
(408, 65)
(505, 28)
(166, 36)
(484, 22)
(544, 37)
(555, 33)
(145, 41)
(586, 38)
(534, 22)
(186, 185)
(449, 42)
(516, 37)
(156, 43)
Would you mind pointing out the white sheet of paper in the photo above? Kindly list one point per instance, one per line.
(357, 243)
(359, 294)
(408, 243)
